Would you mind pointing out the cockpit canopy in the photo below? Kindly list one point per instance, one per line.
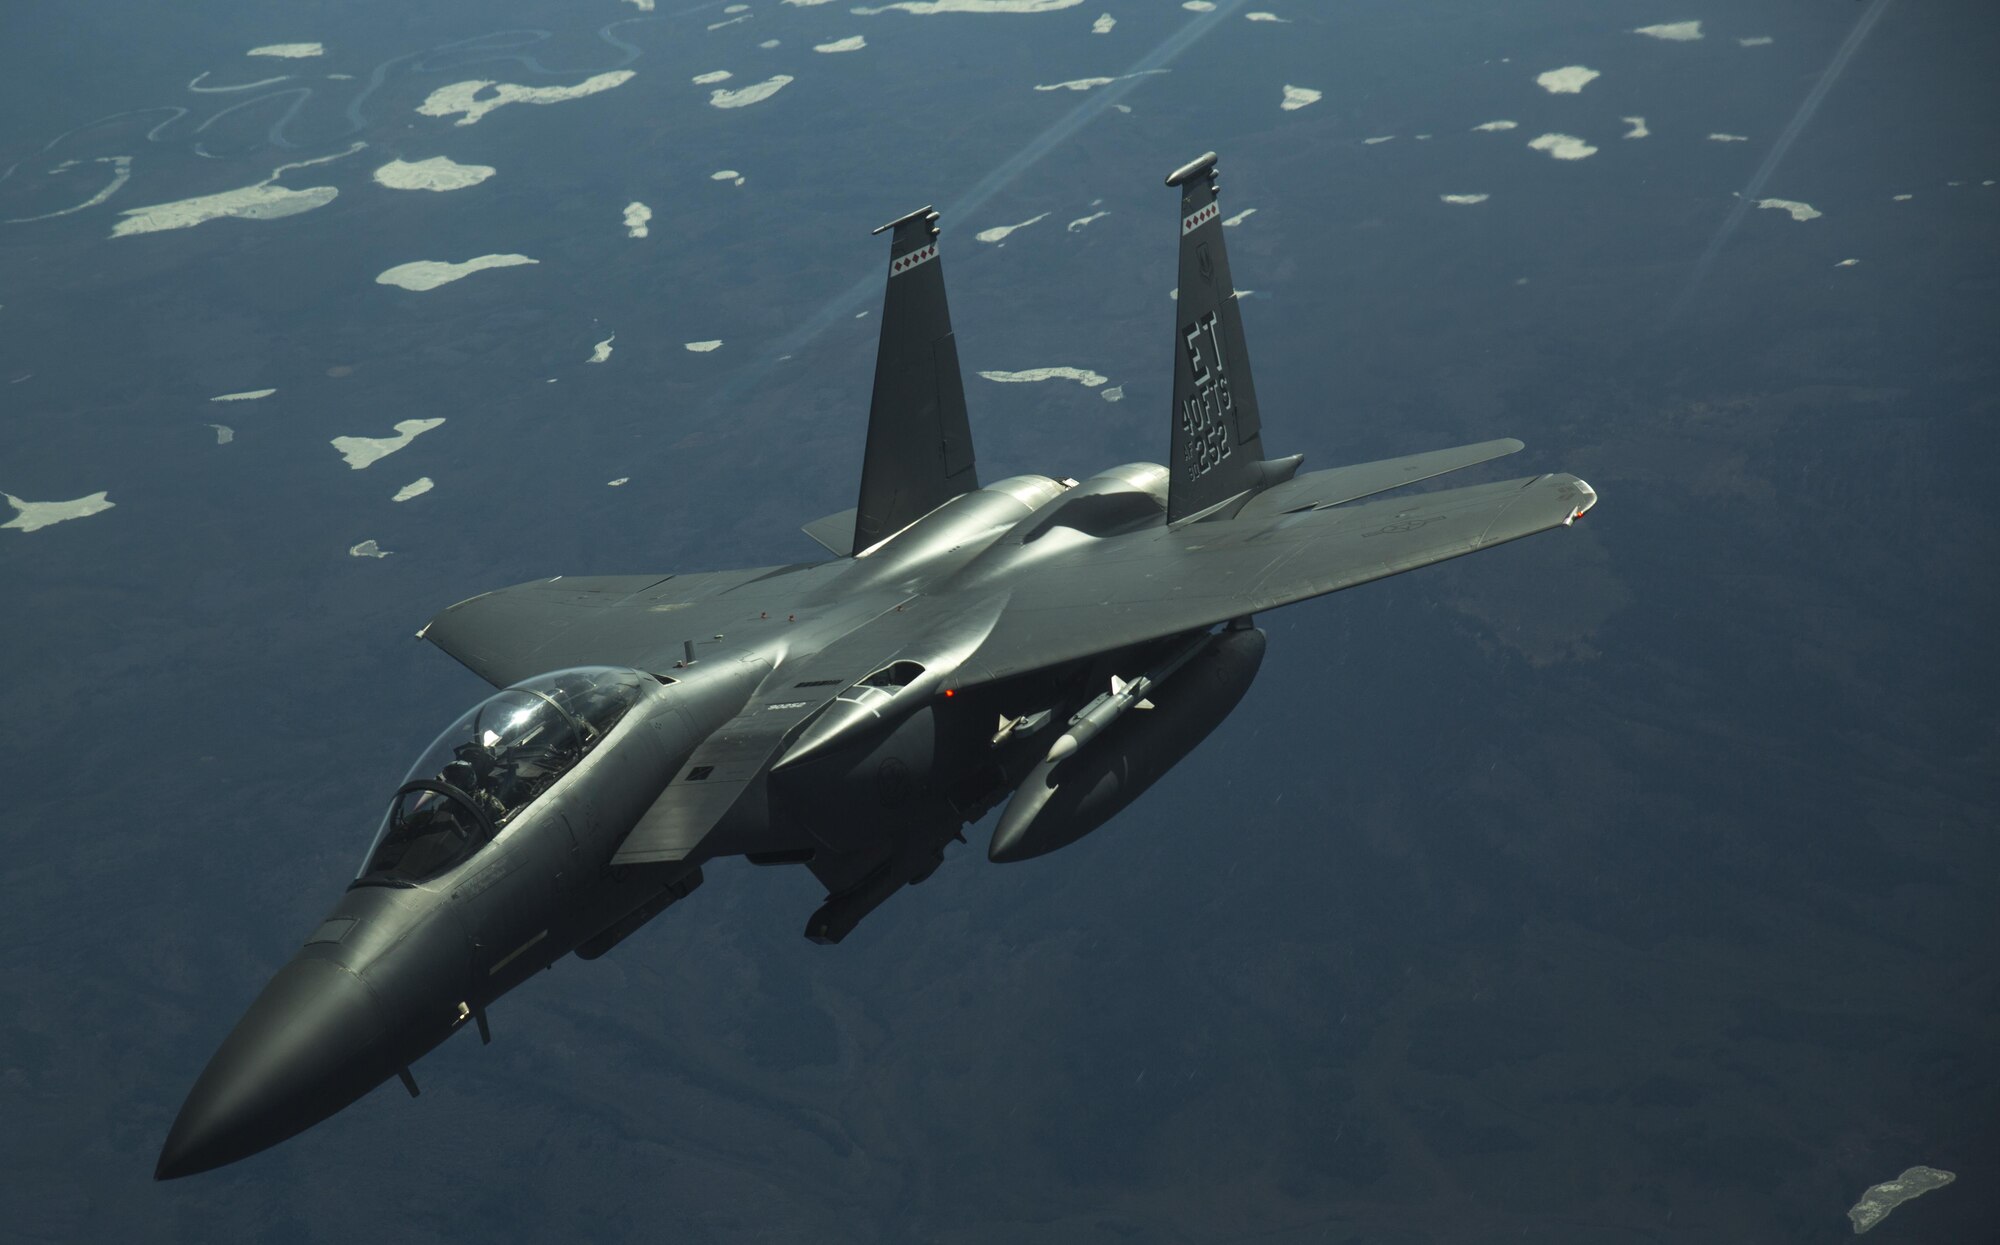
(491, 763)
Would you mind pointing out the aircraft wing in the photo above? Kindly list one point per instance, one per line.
(1148, 585)
(1317, 490)
(611, 620)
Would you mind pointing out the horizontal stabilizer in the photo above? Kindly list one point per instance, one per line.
(1317, 490)
(835, 531)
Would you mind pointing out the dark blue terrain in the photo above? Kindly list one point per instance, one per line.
(1633, 883)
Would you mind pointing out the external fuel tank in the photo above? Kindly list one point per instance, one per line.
(1064, 800)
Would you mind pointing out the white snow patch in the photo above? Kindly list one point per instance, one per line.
(1198, 6)
(1880, 1199)
(1465, 198)
(703, 347)
(248, 395)
(755, 93)
(360, 451)
(999, 232)
(1114, 394)
(224, 434)
(1103, 24)
(1088, 379)
(1563, 146)
(367, 549)
(731, 22)
(415, 488)
(644, 6)
(1903, 198)
(926, 8)
(1638, 129)
(195, 84)
(1569, 80)
(852, 43)
(1266, 17)
(428, 274)
(1799, 211)
(289, 51)
(1755, 41)
(1081, 221)
(1496, 126)
(1672, 32)
(1233, 221)
(258, 201)
(768, 44)
(437, 173)
(1297, 97)
(636, 216)
(619, 482)
(1847, 263)
(1085, 84)
(1728, 138)
(602, 350)
(712, 77)
(464, 97)
(1378, 140)
(726, 175)
(33, 516)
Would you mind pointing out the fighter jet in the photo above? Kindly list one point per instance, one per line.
(1049, 644)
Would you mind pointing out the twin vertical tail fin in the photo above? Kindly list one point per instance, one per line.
(1217, 451)
(919, 442)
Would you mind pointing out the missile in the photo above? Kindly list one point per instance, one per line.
(1076, 789)
(1089, 722)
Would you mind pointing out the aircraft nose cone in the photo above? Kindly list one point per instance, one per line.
(310, 1044)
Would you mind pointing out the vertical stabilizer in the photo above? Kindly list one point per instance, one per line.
(919, 443)
(1217, 452)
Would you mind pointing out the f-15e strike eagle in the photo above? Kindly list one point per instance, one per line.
(1048, 644)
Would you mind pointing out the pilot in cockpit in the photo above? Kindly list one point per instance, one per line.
(461, 775)
(473, 772)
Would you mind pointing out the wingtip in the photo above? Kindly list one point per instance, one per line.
(1586, 498)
